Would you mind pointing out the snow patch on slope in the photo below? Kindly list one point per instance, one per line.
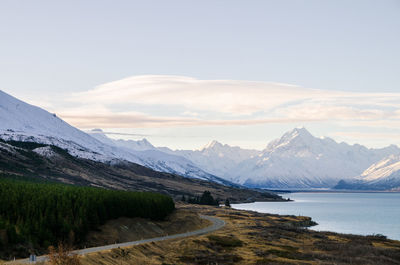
(45, 151)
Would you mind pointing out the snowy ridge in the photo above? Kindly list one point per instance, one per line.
(383, 169)
(300, 160)
(145, 154)
(20, 121)
(384, 175)
(140, 145)
(215, 157)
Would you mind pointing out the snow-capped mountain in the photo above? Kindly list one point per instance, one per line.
(140, 145)
(20, 121)
(383, 169)
(215, 157)
(383, 175)
(300, 160)
(296, 160)
(151, 157)
(23, 122)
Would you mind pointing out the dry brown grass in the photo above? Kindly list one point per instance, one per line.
(254, 238)
(62, 256)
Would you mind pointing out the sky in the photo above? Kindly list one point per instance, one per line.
(183, 73)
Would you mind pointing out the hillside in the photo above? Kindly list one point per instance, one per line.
(383, 175)
(20, 121)
(35, 215)
(39, 161)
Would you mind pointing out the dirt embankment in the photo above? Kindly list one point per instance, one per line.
(131, 229)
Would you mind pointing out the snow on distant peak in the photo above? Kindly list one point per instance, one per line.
(382, 168)
(300, 160)
(295, 136)
(297, 133)
(139, 145)
(212, 144)
(383, 175)
(144, 142)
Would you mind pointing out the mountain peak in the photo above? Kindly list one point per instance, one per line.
(144, 142)
(295, 136)
(297, 133)
(212, 144)
(302, 131)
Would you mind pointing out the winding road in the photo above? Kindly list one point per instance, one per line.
(216, 224)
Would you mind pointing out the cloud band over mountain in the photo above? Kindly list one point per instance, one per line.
(160, 100)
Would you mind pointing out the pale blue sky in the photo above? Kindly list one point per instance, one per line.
(50, 50)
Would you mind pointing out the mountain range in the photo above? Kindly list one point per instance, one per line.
(297, 160)
(20, 121)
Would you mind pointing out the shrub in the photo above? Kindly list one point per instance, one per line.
(226, 241)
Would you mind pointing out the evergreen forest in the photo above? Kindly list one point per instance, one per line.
(44, 214)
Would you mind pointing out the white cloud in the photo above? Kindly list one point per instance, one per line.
(233, 102)
(333, 112)
(225, 96)
(190, 113)
(141, 120)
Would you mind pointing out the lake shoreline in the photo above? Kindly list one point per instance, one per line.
(255, 238)
(352, 213)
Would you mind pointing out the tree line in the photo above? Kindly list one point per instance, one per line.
(205, 199)
(43, 214)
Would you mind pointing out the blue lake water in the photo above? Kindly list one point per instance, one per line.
(353, 213)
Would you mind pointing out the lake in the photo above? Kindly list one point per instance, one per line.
(353, 213)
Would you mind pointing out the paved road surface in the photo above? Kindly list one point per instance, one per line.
(216, 224)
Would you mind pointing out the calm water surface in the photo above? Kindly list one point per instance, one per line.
(354, 213)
